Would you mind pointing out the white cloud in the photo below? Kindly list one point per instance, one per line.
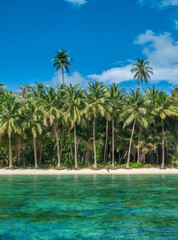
(74, 78)
(77, 2)
(162, 52)
(169, 2)
(161, 49)
(159, 3)
(119, 74)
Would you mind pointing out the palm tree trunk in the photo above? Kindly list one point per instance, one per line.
(61, 143)
(75, 143)
(10, 153)
(112, 142)
(94, 144)
(157, 157)
(163, 150)
(106, 142)
(57, 142)
(138, 151)
(141, 87)
(35, 152)
(23, 156)
(70, 145)
(18, 157)
(40, 154)
(144, 158)
(63, 75)
(130, 145)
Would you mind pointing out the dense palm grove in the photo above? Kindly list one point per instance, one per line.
(68, 126)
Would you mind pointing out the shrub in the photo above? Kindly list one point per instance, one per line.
(148, 166)
(136, 165)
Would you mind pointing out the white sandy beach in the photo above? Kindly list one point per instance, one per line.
(21, 171)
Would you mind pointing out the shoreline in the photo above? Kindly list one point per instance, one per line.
(138, 171)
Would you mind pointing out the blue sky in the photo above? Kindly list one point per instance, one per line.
(104, 37)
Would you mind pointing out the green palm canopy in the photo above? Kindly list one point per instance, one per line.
(96, 107)
(10, 118)
(134, 111)
(62, 61)
(74, 102)
(163, 109)
(142, 71)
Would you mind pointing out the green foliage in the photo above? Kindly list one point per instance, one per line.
(148, 166)
(174, 159)
(54, 120)
(136, 165)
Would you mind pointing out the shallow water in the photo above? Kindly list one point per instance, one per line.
(89, 207)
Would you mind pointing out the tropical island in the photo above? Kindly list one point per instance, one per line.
(98, 127)
(88, 120)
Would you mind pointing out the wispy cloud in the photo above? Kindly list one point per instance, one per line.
(169, 3)
(157, 3)
(162, 52)
(73, 79)
(77, 2)
(160, 49)
(176, 24)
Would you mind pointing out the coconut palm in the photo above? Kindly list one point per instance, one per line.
(163, 109)
(108, 118)
(52, 112)
(33, 121)
(10, 118)
(115, 97)
(142, 71)
(62, 61)
(134, 111)
(96, 107)
(24, 91)
(38, 90)
(73, 104)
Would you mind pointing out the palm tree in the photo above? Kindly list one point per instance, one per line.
(61, 60)
(33, 121)
(51, 107)
(115, 97)
(24, 91)
(38, 90)
(73, 104)
(163, 108)
(142, 71)
(10, 118)
(134, 111)
(96, 107)
(108, 118)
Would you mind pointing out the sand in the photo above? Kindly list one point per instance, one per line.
(21, 171)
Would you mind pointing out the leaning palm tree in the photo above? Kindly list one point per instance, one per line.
(142, 71)
(74, 102)
(96, 107)
(163, 109)
(134, 111)
(62, 61)
(10, 118)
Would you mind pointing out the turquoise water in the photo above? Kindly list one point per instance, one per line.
(88, 207)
